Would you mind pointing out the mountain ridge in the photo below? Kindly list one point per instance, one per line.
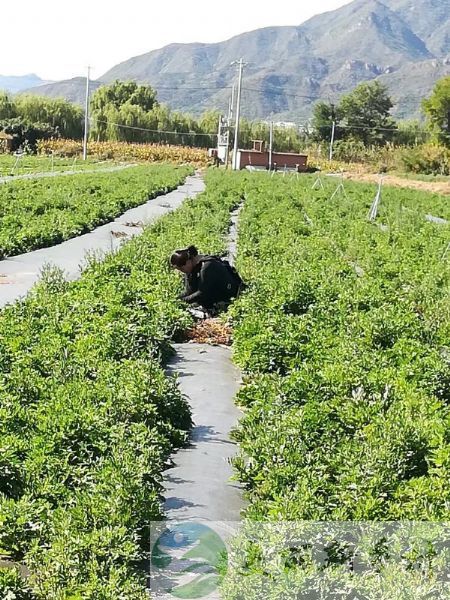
(290, 67)
(18, 83)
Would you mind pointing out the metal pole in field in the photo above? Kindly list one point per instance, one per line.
(333, 129)
(376, 203)
(333, 132)
(238, 115)
(270, 145)
(86, 116)
(219, 131)
(227, 148)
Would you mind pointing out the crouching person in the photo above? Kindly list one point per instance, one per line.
(210, 281)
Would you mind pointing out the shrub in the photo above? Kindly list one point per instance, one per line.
(429, 159)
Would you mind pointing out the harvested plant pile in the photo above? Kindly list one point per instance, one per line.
(210, 331)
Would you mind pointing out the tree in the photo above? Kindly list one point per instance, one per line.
(365, 113)
(30, 118)
(115, 97)
(7, 108)
(64, 117)
(411, 133)
(208, 124)
(324, 114)
(123, 92)
(26, 135)
(437, 110)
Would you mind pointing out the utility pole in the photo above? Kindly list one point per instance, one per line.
(219, 140)
(229, 122)
(448, 125)
(238, 114)
(333, 131)
(270, 145)
(86, 116)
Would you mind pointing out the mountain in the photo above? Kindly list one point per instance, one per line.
(14, 83)
(429, 19)
(415, 82)
(73, 90)
(404, 43)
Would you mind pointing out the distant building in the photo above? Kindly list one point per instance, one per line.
(260, 158)
(6, 141)
(286, 124)
(283, 124)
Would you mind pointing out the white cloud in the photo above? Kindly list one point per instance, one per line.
(58, 39)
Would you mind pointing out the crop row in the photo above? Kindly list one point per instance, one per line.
(43, 212)
(128, 152)
(87, 416)
(28, 164)
(343, 337)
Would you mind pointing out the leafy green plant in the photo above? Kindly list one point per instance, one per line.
(88, 418)
(343, 340)
(430, 159)
(44, 212)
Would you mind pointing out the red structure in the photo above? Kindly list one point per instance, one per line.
(260, 158)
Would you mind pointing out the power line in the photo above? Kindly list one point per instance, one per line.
(368, 128)
(281, 93)
(153, 130)
(269, 91)
(272, 91)
(295, 125)
(216, 88)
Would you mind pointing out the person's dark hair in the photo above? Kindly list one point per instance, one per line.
(180, 257)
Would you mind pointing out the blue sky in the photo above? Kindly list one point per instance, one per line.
(57, 39)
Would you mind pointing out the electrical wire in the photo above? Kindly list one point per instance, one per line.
(368, 128)
(297, 125)
(191, 133)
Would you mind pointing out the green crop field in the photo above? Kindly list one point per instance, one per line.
(11, 165)
(43, 212)
(87, 417)
(343, 339)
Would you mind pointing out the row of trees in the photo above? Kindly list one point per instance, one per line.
(29, 118)
(364, 115)
(126, 111)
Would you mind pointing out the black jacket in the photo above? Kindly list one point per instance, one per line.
(210, 282)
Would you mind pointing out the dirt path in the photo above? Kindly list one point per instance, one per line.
(437, 187)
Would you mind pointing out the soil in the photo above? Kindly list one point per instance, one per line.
(437, 187)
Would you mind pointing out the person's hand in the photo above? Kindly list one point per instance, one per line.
(198, 313)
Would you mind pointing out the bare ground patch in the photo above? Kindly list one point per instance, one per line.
(437, 187)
